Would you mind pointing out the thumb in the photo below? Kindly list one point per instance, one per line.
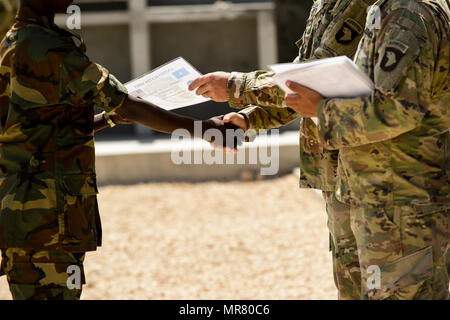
(294, 86)
(229, 117)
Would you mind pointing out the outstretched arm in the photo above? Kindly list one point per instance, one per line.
(156, 118)
(135, 110)
(101, 123)
(84, 83)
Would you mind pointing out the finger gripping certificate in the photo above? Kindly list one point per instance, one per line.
(167, 86)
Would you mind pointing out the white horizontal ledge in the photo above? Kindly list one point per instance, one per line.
(129, 147)
(130, 162)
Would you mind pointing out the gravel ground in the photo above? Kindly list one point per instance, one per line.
(237, 240)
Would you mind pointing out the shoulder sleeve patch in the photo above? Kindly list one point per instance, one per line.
(394, 53)
(397, 53)
(349, 31)
(346, 29)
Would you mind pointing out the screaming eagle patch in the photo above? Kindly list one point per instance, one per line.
(349, 31)
(395, 51)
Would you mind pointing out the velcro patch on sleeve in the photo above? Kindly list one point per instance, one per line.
(397, 53)
(394, 53)
(344, 32)
(349, 31)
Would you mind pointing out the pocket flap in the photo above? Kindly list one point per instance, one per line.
(81, 184)
(405, 272)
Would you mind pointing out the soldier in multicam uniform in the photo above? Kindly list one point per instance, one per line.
(48, 89)
(394, 156)
(334, 28)
(8, 10)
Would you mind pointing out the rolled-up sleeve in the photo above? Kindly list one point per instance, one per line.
(83, 83)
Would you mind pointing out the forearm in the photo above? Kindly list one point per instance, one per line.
(100, 122)
(268, 118)
(154, 117)
(254, 88)
(360, 121)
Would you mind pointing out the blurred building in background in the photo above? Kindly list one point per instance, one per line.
(291, 16)
(132, 37)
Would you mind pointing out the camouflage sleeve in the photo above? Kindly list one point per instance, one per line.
(6, 17)
(258, 88)
(83, 82)
(262, 99)
(268, 117)
(254, 88)
(394, 59)
(338, 29)
(264, 106)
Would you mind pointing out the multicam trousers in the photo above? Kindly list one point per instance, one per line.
(346, 271)
(42, 275)
(407, 248)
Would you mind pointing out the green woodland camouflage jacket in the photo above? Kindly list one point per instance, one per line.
(8, 10)
(334, 28)
(48, 90)
(394, 144)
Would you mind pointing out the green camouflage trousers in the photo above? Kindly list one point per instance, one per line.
(346, 271)
(42, 275)
(404, 252)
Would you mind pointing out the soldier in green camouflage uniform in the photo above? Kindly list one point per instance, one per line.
(48, 91)
(394, 151)
(8, 10)
(334, 28)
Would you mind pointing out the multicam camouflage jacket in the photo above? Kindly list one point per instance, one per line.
(395, 144)
(334, 28)
(8, 10)
(48, 90)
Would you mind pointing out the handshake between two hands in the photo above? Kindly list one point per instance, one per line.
(225, 132)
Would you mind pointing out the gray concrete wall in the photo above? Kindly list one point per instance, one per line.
(209, 46)
(220, 36)
(109, 46)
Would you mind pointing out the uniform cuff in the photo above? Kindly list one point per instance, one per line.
(235, 90)
(112, 95)
(250, 134)
(248, 113)
(324, 132)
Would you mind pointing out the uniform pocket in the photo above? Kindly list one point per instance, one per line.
(28, 215)
(403, 273)
(41, 268)
(80, 206)
(424, 226)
